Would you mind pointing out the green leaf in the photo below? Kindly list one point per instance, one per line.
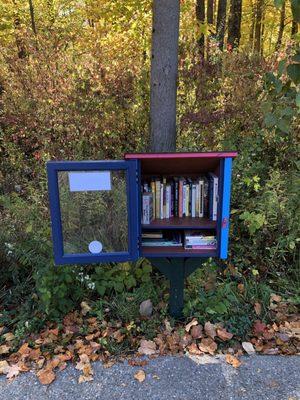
(284, 125)
(293, 71)
(298, 100)
(270, 120)
(295, 5)
(281, 66)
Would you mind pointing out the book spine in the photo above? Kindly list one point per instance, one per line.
(187, 201)
(172, 199)
(157, 199)
(180, 199)
(164, 198)
(167, 206)
(197, 200)
(184, 200)
(193, 201)
(176, 199)
(201, 198)
(146, 210)
(162, 201)
(153, 198)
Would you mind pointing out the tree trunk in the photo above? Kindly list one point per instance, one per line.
(31, 9)
(164, 71)
(221, 22)
(258, 26)
(200, 15)
(251, 34)
(234, 23)
(281, 26)
(210, 12)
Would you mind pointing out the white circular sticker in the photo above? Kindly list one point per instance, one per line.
(95, 247)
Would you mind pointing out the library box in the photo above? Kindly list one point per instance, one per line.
(147, 205)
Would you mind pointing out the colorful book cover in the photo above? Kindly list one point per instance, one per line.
(157, 199)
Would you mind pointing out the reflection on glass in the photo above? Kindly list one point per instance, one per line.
(97, 215)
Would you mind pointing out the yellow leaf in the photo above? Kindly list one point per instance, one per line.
(190, 324)
(46, 376)
(235, 362)
(4, 367)
(140, 376)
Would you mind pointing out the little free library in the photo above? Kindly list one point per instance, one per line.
(172, 208)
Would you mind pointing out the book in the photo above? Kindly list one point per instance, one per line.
(157, 198)
(193, 204)
(147, 211)
(213, 196)
(152, 185)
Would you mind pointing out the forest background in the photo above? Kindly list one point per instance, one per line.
(74, 85)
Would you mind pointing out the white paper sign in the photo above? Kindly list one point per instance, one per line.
(95, 247)
(89, 181)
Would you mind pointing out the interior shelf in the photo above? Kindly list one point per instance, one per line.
(181, 223)
(179, 251)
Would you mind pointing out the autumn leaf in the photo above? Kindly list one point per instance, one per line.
(224, 335)
(190, 324)
(210, 330)
(140, 376)
(208, 346)
(46, 376)
(147, 347)
(4, 366)
(85, 308)
(197, 332)
(12, 371)
(257, 308)
(194, 349)
(4, 349)
(9, 336)
(235, 362)
(259, 328)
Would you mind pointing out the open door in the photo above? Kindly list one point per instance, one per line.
(94, 211)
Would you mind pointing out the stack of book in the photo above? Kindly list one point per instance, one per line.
(181, 197)
(158, 239)
(196, 240)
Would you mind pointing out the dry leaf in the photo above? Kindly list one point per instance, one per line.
(210, 330)
(208, 346)
(235, 362)
(46, 376)
(193, 349)
(275, 298)
(118, 336)
(147, 347)
(4, 367)
(85, 378)
(140, 376)
(241, 287)
(190, 324)
(197, 332)
(248, 347)
(259, 328)
(9, 336)
(257, 308)
(4, 349)
(12, 371)
(223, 334)
(85, 308)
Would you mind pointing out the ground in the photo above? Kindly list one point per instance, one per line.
(180, 378)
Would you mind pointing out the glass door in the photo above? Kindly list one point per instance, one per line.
(94, 211)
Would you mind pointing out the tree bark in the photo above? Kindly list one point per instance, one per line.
(294, 30)
(251, 35)
(234, 23)
(31, 9)
(281, 26)
(200, 15)
(258, 26)
(221, 22)
(164, 72)
(210, 12)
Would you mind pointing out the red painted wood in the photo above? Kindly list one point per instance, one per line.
(181, 223)
(220, 154)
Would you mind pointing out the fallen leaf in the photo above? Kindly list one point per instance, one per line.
(210, 330)
(118, 336)
(147, 347)
(257, 308)
(271, 352)
(4, 349)
(208, 346)
(140, 376)
(12, 371)
(4, 367)
(46, 376)
(241, 287)
(248, 347)
(85, 308)
(275, 298)
(137, 363)
(168, 326)
(9, 336)
(197, 332)
(223, 334)
(259, 328)
(85, 378)
(190, 324)
(194, 349)
(230, 359)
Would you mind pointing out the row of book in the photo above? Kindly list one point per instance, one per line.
(193, 240)
(180, 197)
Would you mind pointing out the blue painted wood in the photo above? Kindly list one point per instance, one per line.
(225, 209)
(131, 168)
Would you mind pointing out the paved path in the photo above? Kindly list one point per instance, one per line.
(167, 378)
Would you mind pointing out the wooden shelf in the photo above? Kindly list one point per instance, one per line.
(170, 251)
(181, 223)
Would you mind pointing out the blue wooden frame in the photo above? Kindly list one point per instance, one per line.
(225, 207)
(131, 168)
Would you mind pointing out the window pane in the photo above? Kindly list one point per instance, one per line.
(93, 211)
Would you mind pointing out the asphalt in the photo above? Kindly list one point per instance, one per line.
(180, 378)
